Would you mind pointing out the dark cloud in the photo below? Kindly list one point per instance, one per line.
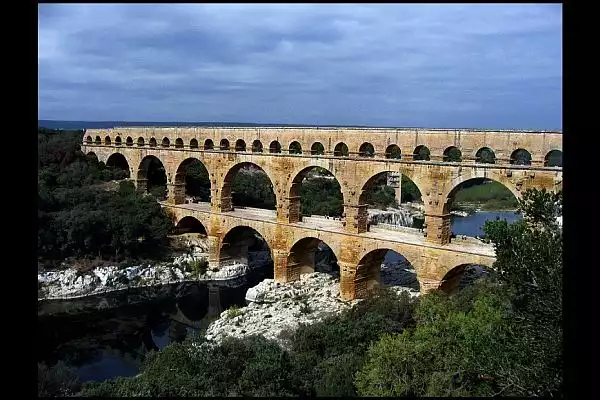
(497, 66)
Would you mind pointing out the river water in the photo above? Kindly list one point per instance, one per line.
(107, 336)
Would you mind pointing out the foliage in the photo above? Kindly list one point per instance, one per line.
(410, 191)
(253, 189)
(490, 194)
(321, 196)
(234, 311)
(57, 381)
(197, 266)
(498, 337)
(305, 308)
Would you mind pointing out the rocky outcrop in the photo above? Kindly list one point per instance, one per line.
(402, 215)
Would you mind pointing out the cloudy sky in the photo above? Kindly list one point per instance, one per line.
(481, 66)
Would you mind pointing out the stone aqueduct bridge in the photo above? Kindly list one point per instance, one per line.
(287, 154)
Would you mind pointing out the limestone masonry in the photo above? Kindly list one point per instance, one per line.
(356, 157)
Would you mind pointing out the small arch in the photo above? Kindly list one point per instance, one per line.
(341, 150)
(485, 155)
(309, 255)
(153, 142)
(224, 145)
(193, 144)
(257, 146)
(317, 149)
(393, 152)
(452, 154)
(208, 144)
(295, 148)
(140, 141)
(89, 140)
(118, 141)
(553, 159)
(366, 150)
(165, 142)
(129, 141)
(97, 140)
(107, 141)
(179, 143)
(118, 161)
(189, 224)
(275, 147)
(421, 153)
(240, 145)
(520, 157)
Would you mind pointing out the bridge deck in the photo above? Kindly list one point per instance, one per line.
(336, 226)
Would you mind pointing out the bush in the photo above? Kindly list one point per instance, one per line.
(197, 267)
(234, 311)
(59, 380)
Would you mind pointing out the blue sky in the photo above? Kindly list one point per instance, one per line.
(481, 65)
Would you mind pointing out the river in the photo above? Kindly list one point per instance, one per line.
(107, 336)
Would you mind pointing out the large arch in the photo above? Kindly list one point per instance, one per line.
(308, 255)
(452, 154)
(241, 244)
(226, 197)
(257, 146)
(152, 177)
(325, 206)
(366, 150)
(368, 275)
(421, 153)
(341, 150)
(118, 161)
(240, 145)
(192, 180)
(553, 158)
(457, 278)
(393, 152)
(520, 157)
(485, 155)
(317, 149)
(189, 224)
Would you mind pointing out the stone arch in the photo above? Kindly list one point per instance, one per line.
(97, 140)
(118, 141)
(190, 224)
(226, 200)
(520, 157)
(295, 148)
(208, 144)
(240, 145)
(140, 141)
(179, 143)
(193, 144)
(151, 174)
(237, 245)
(294, 205)
(302, 258)
(224, 145)
(88, 140)
(553, 158)
(341, 150)
(153, 142)
(393, 152)
(485, 155)
(107, 141)
(181, 182)
(275, 147)
(165, 142)
(451, 281)
(118, 160)
(317, 149)
(452, 154)
(257, 146)
(421, 153)
(368, 274)
(366, 150)
(129, 141)
(92, 156)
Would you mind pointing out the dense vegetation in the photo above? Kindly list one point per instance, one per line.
(489, 195)
(500, 336)
(78, 216)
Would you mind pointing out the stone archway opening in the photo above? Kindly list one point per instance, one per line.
(224, 145)
(520, 157)
(193, 144)
(119, 166)
(462, 276)
(247, 185)
(383, 268)
(295, 148)
(97, 140)
(92, 158)
(152, 178)
(192, 182)
(452, 154)
(275, 147)
(391, 200)
(554, 158)
(243, 245)
(421, 153)
(88, 140)
(179, 143)
(129, 141)
(341, 150)
(107, 141)
(366, 150)
(475, 200)
(240, 145)
(393, 152)
(310, 255)
(118, 141)
(189, 225)
(208, 144)
(317, 149)
(257, 146)
(315, 192)
(140, 141)
(153, 142)
(485, 155)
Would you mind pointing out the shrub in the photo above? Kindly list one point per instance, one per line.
(234, 311)
(197, 267)
(59, 380)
